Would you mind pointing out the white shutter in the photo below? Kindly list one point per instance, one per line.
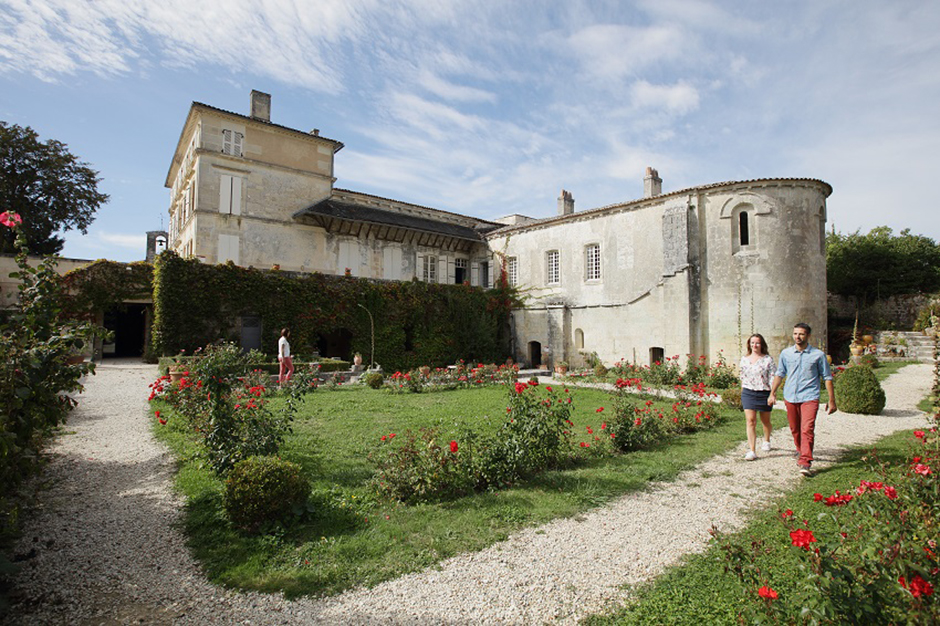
(475, 274)
(236, 207)
(228, 249)
(237, 143)
(227, 142)
(225, 194)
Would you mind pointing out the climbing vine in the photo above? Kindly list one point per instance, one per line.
(416, 323)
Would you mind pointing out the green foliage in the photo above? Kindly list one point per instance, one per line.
(869, 360)
(415, 322)
(37, 382)
(600, 370)
(534, 437)
(664, 373)
(48, 186)
(721, 375)
(263, 490)
(928, 316)
(880, 264)
(858, 391)
(639, 422)
(375, 380)
(104, 285)
(226, 406)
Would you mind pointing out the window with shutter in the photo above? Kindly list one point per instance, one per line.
(230, 194)
(232, 142)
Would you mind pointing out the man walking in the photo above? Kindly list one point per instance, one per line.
(804, 367)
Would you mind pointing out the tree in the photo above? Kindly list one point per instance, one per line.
(880, 264)
(48, 186)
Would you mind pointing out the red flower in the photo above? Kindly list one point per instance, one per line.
(787, 513)
(391, 435)
(585, 445)
(520, 387)
(453, 446)
(637, 422)
(590, 430)
(534, 383)
(767, 592)
(919, 434)
(918, 586)
(10, 219)
(891, 492)
(599, 409)
(547, 388)
(383, 437)
(817, 497)
(923, 470)
(603, 425)
(802, 538)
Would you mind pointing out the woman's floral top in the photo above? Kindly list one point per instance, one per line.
(757, 375)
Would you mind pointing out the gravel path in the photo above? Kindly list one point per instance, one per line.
(102, 546)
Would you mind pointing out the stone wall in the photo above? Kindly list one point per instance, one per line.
(898, 312)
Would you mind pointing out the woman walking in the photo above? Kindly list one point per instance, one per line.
(286, 369)
(757, 371)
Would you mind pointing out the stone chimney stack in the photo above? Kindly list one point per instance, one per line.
(652, 184)
(565, 203)
(261, 106)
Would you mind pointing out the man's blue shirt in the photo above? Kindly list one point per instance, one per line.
(803, 371)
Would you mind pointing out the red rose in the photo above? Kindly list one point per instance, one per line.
(802, 538)
(767, 592)
(453, 446)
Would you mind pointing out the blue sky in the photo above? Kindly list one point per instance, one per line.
(491, 107)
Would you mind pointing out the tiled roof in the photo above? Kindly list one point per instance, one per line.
(369, 195)
(269, 123)
(640, 201)
(332, 208)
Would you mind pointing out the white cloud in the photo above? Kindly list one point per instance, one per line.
(123, 240)
(679, 98)
(450, 91)
(614, 51)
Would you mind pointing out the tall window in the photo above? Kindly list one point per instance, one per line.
(485, 274)
(744, 236)
(553, 266)
(230, 194)
(512, 271)
(429, 269)
(593, 261)
(232, 142)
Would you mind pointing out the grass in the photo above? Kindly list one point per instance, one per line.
(353, 539)
(700, 591)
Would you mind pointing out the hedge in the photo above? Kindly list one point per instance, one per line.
(416, 323)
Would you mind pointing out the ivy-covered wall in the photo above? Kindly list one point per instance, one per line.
(103, 285)
(416, 323)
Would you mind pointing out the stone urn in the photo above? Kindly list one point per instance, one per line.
(856, 349)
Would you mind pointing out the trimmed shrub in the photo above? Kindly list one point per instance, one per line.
(262, 490)
(858, 391)
(732, 398)
(375, 380)
(600, 370)
(870, 360)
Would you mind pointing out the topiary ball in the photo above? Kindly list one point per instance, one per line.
(263, 489)
(374, 380)
(858, 391)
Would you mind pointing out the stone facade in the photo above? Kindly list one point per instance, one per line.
(672, 274)
(687, 272)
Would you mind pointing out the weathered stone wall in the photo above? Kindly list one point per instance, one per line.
(898, 312)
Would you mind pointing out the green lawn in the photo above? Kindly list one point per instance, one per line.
(353, 539)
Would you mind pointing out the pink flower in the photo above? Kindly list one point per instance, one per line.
(923, 470)
(10, 219)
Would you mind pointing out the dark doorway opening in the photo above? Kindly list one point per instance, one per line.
(128, 323)
(657, 355)
(535, 354)
(336, 344)
(250, 336)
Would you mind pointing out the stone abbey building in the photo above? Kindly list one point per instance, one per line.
(692, 271)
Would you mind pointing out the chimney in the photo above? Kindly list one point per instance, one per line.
(261, 106)
(652, 183)
(565, 203)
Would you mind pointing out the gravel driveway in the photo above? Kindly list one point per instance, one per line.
(101, 547)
